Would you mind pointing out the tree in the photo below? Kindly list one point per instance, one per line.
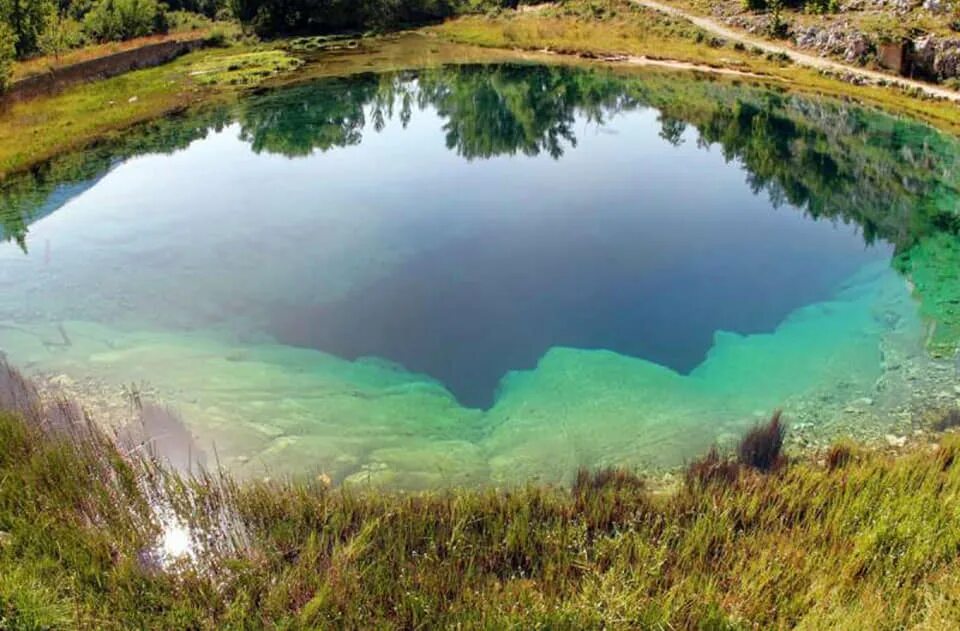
(62, 33)
(27, 19)
(112, 20)
(8, 51)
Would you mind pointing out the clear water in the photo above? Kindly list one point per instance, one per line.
(480, 273)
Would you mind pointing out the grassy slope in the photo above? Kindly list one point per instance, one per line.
(871, 543)
(35, 130)
(609, 27)
(44, 63)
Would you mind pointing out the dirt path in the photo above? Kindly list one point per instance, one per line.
(640, 60)
(803, 59)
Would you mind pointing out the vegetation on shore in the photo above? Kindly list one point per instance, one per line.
(37, 130)
(29, 28)
(597, 28)
(858, 539)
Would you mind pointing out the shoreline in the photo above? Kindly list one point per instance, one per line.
(39, 129)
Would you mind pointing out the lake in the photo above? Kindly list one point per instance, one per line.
(495, 273)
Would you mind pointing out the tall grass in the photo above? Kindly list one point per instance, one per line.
(871, 541)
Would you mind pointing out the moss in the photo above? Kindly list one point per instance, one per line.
(244, 69)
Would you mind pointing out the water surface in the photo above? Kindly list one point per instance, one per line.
(486, 272)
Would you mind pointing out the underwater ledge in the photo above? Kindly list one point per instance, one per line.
(854, 365)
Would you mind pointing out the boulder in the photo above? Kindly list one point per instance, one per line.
(933, 57)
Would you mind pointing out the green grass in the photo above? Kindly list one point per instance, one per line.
(38, 129)
(244, 69)
(870, 541)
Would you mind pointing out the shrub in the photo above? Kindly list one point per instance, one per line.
(7, 53)
(217, 38)
(821, 7)
(61, 34)
(760, 448)
(111, 20)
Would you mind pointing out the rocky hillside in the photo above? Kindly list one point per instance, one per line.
(916, 38)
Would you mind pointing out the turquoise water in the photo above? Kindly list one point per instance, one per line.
(490, 273)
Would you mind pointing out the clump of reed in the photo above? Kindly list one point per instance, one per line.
(761, 448)
(838, 456)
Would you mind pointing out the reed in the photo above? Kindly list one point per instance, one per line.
(83, 524)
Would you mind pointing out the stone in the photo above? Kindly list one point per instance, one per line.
(62, 381)
(893, 56)
(895, 441)
(936, 7)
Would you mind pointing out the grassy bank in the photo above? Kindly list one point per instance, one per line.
(35, 130)
(857, 540)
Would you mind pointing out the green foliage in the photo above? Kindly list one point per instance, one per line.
(27, 20)
(111, 20)
(8, 52)
(62, 33)
(26, 604)
(208, 8)
(278, 17)
(53, 26)
(821, 7)
(778, 27)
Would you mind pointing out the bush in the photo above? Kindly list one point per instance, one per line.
(7, 53)
(26, 20)
(61, 34)
(760, 447)
(112, 20)
(821, 7)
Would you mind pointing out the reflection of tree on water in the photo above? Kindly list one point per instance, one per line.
(894, 178)
(30, 196)
(897, 179)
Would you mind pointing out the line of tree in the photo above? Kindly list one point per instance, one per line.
(323, 17)
(50, 27)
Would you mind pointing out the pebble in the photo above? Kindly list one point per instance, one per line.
(895, 441)
(62, 381)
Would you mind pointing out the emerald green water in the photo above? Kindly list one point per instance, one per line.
(495, 273)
